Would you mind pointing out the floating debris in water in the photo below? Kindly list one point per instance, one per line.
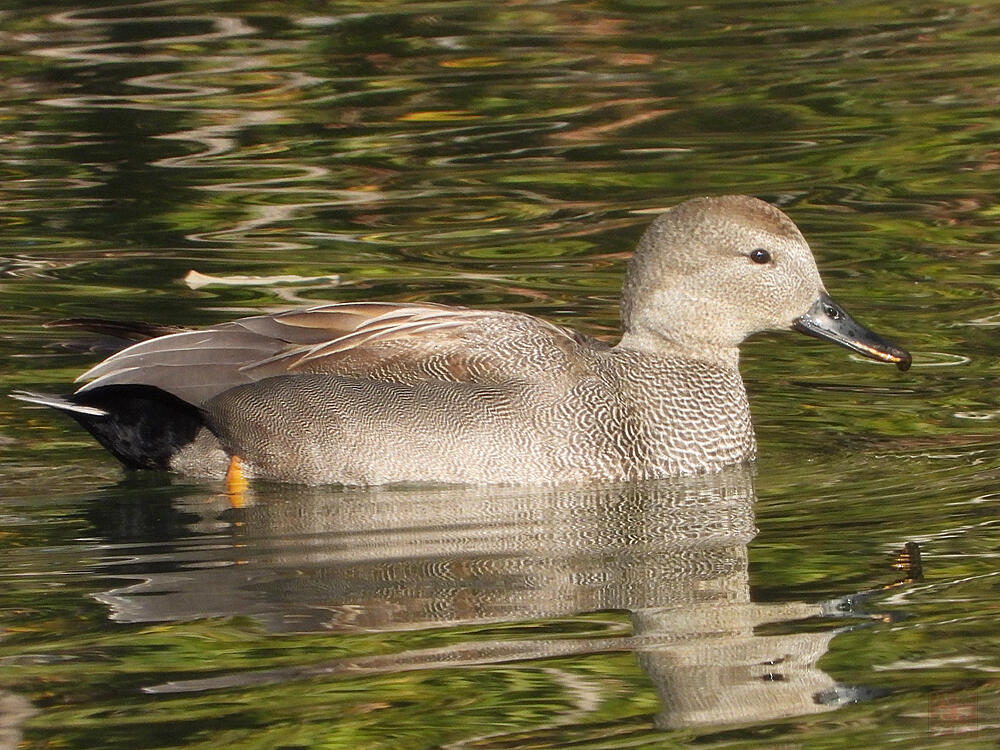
(197, 280)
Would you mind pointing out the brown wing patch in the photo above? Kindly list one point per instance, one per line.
(380, 340)
(412, 343)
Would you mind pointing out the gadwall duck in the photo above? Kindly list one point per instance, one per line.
(377, 392)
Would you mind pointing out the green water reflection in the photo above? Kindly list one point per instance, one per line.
(504, 154)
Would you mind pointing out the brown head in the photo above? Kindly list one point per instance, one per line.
(712, 271)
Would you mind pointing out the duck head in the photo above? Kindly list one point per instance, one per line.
(710, 272)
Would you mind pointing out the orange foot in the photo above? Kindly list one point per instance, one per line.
(236, 483)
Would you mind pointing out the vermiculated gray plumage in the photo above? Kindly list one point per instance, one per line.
(379, 392)
(585, 413)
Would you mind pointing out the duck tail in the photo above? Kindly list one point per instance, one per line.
(141, 426)
(58, 403)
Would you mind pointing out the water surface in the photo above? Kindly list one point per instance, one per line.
(504, 154)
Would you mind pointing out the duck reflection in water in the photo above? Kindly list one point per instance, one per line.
(672, 554)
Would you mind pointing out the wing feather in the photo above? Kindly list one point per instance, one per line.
(403, 342)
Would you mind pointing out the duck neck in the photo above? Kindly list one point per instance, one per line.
(659, 345)
(694, 411)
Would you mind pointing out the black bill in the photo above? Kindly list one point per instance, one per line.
(828, 320)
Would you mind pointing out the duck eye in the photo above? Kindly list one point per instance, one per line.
(760, 256)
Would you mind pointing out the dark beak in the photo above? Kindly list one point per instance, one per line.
(828, 320)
